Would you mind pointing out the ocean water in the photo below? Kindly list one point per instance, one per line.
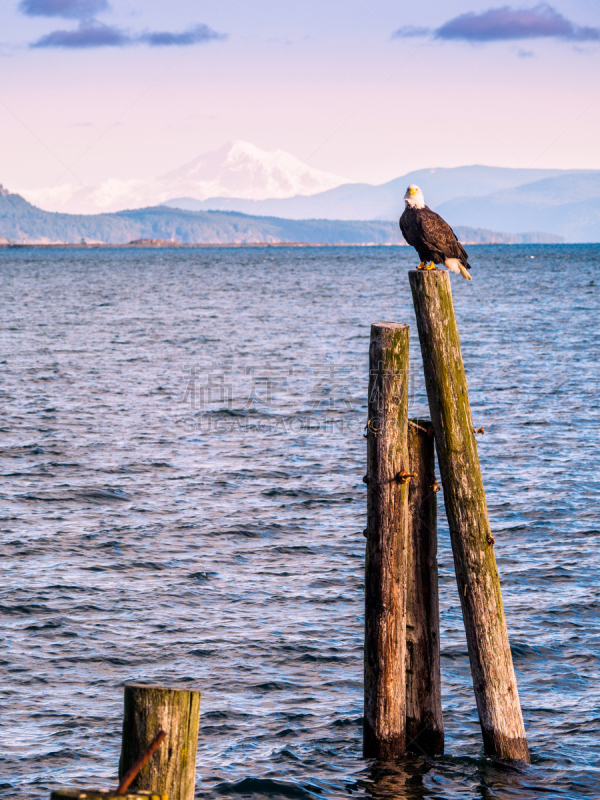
(182, 452)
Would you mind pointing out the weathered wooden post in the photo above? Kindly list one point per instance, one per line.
(424, 723)
(172, 769)
(492, 668)
(384, 734)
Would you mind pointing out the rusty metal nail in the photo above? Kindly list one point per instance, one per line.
(404, 476)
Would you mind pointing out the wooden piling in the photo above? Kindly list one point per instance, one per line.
(384, 734)
(424, 723)
(492, 668)
(172, 768)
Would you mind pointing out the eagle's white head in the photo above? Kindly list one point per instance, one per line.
(414, 197)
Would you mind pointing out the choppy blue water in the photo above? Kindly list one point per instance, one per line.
(182, 502)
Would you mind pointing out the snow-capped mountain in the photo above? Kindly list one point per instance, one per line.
(241, 169)
(238, 169)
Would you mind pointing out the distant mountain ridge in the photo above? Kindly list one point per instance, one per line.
(243, 178)
(21, 223)
(368, 201)
(568, 204)
(564, 202)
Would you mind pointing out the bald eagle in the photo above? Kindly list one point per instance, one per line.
(432, 237)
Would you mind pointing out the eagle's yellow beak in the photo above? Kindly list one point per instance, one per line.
(413, 190)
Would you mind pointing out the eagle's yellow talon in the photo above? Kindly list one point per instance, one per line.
(421, 265)
(431, 266)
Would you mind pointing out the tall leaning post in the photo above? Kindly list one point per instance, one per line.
(384, 735)
(172, 769)
(477, 576)
(424, 722)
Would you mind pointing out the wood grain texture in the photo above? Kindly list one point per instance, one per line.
(477, 576)
(385, 562)
(424, 723)
(172, 769)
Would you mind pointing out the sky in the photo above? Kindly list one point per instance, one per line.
(98, 89)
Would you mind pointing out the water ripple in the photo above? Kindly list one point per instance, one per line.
(182, 501)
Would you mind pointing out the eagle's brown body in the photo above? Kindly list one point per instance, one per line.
(431, 236)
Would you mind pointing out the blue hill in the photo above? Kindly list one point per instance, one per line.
(22, 222)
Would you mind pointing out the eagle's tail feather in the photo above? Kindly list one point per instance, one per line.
(464, 272)
(455, 265)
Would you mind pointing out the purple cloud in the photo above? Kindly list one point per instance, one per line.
(195, 35)
(504, 23)
(507, 24)
(85, 36)
(94, 34)
(71, 9)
